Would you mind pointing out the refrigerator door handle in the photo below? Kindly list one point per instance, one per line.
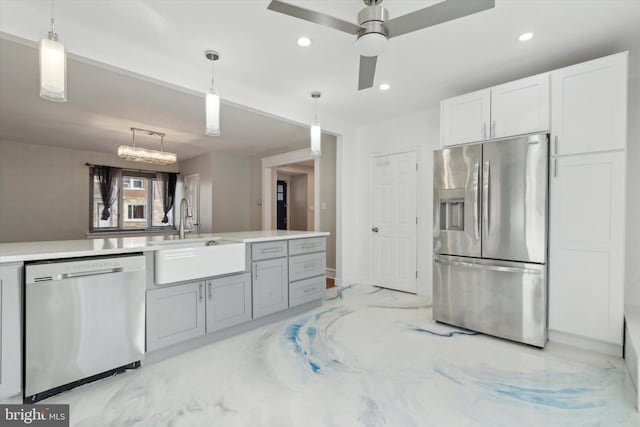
(476, 210)
(485, 199)
(490, 267)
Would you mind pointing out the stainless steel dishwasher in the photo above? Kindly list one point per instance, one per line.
(84, 320)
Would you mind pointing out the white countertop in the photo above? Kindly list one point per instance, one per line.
(33, 251)
(267, 235)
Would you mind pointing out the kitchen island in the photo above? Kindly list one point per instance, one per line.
(200, 289)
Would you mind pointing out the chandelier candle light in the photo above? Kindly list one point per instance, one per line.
(138, 154)
(53, 66)
(316, 130)
(212, 103)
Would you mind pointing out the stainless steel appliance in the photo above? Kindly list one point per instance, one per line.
(490, 237)
(84, 319)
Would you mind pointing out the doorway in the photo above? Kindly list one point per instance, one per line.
(394, 224)
(282, 205)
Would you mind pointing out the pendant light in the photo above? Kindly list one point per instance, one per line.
(138, 154)
(212, 102)
(316, 130)
(53, 66)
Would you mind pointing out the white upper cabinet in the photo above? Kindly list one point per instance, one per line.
(589, 106)
(520, 107)
(465, 118)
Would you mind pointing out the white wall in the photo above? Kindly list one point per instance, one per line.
(44, 190)
(632, 258)
(418, 131)
(225, 187)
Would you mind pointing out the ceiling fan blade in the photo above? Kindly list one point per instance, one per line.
(312, 16)
(367, 71)
(448, 10)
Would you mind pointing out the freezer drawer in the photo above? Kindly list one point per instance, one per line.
(501, 298)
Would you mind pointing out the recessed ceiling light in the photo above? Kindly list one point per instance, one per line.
(526, 36)
(304, 42)
(385, 86)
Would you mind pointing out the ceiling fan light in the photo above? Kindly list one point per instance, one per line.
(371, 44)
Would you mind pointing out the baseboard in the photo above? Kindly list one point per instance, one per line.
(331, 273)
(602, 347)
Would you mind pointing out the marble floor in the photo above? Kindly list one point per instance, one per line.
(369, 357)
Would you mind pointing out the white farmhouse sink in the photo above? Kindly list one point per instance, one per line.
(173, 240)
(188, 260)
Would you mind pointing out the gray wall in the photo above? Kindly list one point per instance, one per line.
(298, 202)
(225, 188)
(328, 195)
(44, 190)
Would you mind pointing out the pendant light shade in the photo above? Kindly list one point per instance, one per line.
(53, 66)
(316, 130)
(212, 101)
(316, 137)
(213, 113)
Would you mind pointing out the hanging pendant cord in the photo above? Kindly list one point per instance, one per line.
(315, 109)
(53, 24)
(212, 64)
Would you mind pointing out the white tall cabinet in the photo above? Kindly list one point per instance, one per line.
(587, 206)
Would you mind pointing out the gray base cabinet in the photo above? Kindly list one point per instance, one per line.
(270, 286)
(304, 291)
(10, 330)
(175, 314)
(228, 301)
(307, 270)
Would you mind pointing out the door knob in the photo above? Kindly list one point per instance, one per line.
(374, 229)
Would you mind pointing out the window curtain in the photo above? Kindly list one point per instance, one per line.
(108, 181)
(167, 186)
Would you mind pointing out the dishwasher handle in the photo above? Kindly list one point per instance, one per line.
(63, 276)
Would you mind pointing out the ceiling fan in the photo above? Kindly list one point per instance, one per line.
(374, 29)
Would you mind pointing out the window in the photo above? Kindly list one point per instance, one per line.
(136, 212)
(138, 197)
(133, 183)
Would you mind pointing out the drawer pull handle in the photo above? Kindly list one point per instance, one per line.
(271, 250)
(309, 265)
(309, 245)
(306, 291)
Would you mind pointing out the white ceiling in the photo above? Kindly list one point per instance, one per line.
(262, 67)
(104, 104)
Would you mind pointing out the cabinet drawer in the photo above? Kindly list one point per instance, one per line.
(304, 266)
(306, 290)
(305, 246)
(268, 250)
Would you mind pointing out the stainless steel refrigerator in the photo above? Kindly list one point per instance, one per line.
(490, 237)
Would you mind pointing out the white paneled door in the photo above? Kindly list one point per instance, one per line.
(394, 221)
